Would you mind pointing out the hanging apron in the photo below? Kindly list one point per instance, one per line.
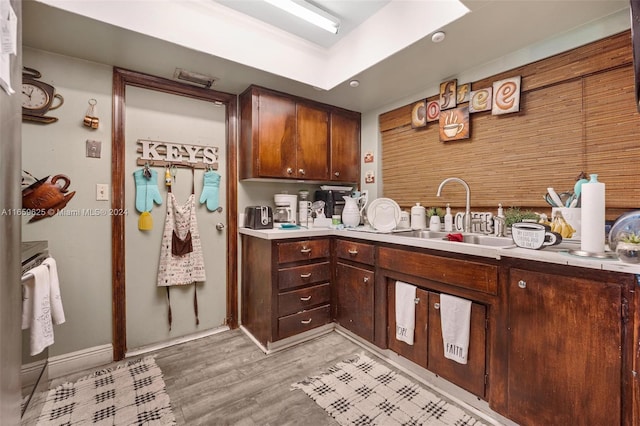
(181, 260)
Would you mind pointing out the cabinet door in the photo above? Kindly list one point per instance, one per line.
(564, 352)
(418, 351)
(345, 148)
(469, 376)
(312, 143)
(276, 136)
(354, 289)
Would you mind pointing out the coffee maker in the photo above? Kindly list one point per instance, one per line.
(286, 208)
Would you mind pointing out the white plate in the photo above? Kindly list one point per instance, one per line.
(383, 214)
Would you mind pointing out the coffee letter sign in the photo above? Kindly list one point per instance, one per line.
(480, 100)
(506, 96)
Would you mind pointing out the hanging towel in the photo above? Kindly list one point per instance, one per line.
(405, 312)
(57, 312)
(36, 308)
(455, 319)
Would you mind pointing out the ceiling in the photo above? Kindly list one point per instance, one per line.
(491, 30)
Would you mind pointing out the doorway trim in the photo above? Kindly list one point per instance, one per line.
(121, 79)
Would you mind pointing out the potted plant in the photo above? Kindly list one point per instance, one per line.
(628, 248)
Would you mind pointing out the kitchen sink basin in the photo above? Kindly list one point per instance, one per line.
(478, 239)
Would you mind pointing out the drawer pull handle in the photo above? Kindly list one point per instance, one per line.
(305, 275)
(436, 305)
(308, 321)
(305, 299)
(305, 250)
(353, 252)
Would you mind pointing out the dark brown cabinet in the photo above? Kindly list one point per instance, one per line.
(287, 137)
(286, 287)
(564, 349)
(469, 376)
(354, 284)
(345, 147)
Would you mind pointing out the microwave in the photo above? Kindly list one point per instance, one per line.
(333, 201)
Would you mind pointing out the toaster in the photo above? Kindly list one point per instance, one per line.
(258, 217)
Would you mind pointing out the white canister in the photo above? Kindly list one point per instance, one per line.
(434, 223)
(418, 217)
(405, 221)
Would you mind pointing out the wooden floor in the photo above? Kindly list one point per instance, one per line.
(225, 379)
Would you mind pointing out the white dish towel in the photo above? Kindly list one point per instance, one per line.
(36, 308)
(57, 311)
(455, 319)
(405, 312)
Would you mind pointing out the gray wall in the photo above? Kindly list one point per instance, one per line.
(10, 200)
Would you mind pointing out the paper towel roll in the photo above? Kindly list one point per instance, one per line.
(592, 220)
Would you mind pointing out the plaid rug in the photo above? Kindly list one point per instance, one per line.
(131, 393)
(361, 391)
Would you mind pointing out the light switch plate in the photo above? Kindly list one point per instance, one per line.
(93, 148)
(102, 192)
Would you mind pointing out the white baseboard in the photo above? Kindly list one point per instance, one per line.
(73, 362)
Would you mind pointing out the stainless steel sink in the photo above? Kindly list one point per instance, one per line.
(477, 239)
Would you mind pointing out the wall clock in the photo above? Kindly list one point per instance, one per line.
(38, 98)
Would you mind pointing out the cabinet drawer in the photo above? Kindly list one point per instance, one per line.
(358, 252)
(304, 275)
(298, 300)
(302, 250)
(303, 321)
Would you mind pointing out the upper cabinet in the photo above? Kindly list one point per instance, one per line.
(286, 137)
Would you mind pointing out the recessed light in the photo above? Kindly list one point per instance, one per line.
(354, 83)
(437, 37)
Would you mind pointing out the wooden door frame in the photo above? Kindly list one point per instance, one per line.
(121, 79)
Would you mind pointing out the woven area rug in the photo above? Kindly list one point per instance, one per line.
(131, 393)
(361, 391)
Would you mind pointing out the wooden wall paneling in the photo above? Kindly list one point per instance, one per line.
(578, 114)
(612, 128)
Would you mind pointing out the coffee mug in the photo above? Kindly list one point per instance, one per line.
(453, 129)
(533, 235)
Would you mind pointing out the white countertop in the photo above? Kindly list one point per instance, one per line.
(556, 254)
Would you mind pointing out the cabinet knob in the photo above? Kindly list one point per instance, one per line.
(365, 279)
(353, 252)
(289, 171)
(522, 284)
(436, 305)
(337, 174)
(301, 172)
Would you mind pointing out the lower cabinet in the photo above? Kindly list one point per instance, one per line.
(428, 349)
(355, 287)
(565, 358)
(355, 290)
(286, 286)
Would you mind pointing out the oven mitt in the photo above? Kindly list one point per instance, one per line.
(210, 190)
(146, 190)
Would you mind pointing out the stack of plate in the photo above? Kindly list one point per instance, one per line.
(383, 214)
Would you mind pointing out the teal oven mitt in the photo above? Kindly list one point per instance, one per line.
(210, 190)
(146, 190)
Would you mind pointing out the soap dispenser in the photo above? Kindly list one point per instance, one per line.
(499, 225)
(448, 220)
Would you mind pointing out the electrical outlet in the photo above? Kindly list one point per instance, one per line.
(102, 192)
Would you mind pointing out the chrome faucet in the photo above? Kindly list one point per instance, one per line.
(467, 213)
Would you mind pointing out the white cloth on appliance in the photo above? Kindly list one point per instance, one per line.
(36, 308)
(405, 312)
(455, 320)
(57, 311)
